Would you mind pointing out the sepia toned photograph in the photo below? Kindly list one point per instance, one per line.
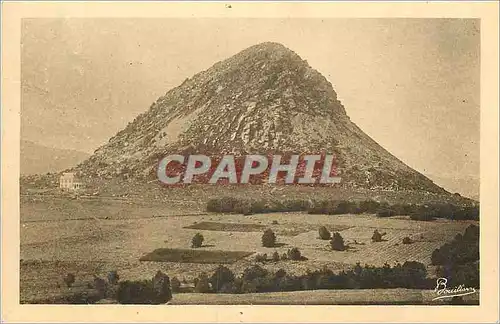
(251, 161)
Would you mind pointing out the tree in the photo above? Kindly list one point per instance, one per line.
(175, 284)
(113, 277)
(261, 257)
(221, 277)
(337, 242)
(155, 291)
(471, 233)
(197, 240)
(161, 288)
(69, 279)
(268, 238)
(294, 254)
(324, 234)
(276, 256)
(254, 272)
(100, 286)
(203, 284)
(377, 237)
(358, 269)
(135, 292)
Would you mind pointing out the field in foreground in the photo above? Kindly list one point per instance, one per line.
(92, 237)
(321, 297)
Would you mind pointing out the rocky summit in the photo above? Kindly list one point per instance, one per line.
(265, 99)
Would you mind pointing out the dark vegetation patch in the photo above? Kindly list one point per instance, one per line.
(292, 254)
(458, 260)
(194, 256)
(255, 279)
(152, 292)
(424, 212)
(227, 227)
(251, 206)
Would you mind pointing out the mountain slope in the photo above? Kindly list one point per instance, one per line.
(39, 159)
(263, 99)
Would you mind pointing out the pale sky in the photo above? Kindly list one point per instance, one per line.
(410, 84)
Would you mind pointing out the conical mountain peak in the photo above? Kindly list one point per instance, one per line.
(264, 99)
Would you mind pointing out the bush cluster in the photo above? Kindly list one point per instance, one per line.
(335, 207)
(459, 260)
(248, 206)
(293, 254)
(256, 279)
(154, 291)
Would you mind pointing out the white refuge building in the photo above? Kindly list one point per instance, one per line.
(70, 181)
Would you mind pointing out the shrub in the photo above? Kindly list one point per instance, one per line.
(284, 257)
(113, 277)
(197, 240)
(414, 274)
(407, 240)
(155, 291)
(358, 269)
(377, 237)
(69, 279)
(337, 242)
(135, 292)
(470, 212)
(234, 287)
(460, 274)
(332, 207)
(458, 260)
(258, 207)
(175, 284)
(222, 205)
(261, 257)
(161, 287)
(369, 206)
(243, 207)
(221, 277)
(295, 205)
(322, 207)
(254, 272)
(463, 249)
(404, 209)
(324, 234)
(275, 222)
(471, 233)
(347, 207)
(424, 213)
(280, 274)
(202, 284)
(276, 256)
(385, 212)
(100, 286)
(294, 254)
(268, 238)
